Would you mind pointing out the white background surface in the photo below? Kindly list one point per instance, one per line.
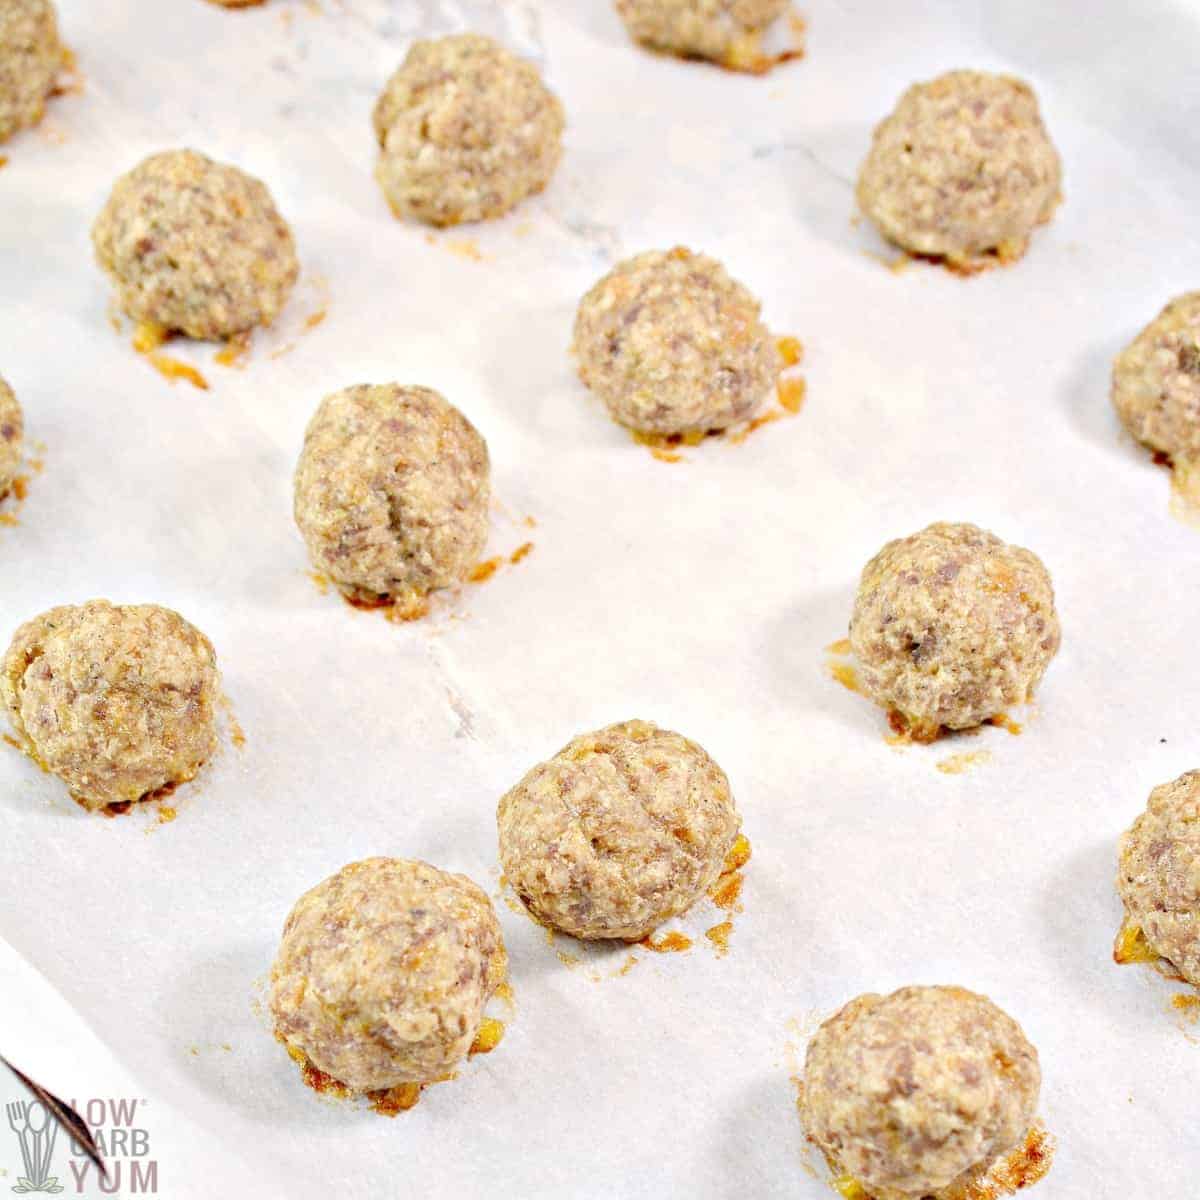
(699, 595)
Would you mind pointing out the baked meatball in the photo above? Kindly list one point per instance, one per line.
(962, 169)
(392, 492)
(1159, 876)
(31, 56)
(912, 1093)
(384, 971)
(118, 701)
(672, 345)
(619, 831)
(725, 31)
(195, 246)
(466, 131)
(1156, 382)
(951, 626)
(12, 426)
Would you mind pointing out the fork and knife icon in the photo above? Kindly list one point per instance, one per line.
(36, 1122)
(36, 1131)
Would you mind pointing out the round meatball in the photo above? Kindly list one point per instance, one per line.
(118, 701)
(914, 1092)
(1156, 382)
(12, 426)
(466, 131)
(31, 57)
(384, 971)
(673, 345)
(195, 246)
(1159, 876)
(392, 492)
(619, 831)
(725, 31)
(951, 626)
(962, 169)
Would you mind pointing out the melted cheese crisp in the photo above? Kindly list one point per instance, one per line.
(1131, 946)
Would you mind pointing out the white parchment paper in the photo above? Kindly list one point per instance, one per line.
(698, 594)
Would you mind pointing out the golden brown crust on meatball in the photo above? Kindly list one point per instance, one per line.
(118, 701)
(721, 30)
(384, 971)
(1156, 382)
(391, 492)
(673, 345)
(12, 428)
(31, 57)
(466, 131)
(195, 246)
(912, 1093)
(619, 831)
(962, 169)
(951, 626)
(1159, 875)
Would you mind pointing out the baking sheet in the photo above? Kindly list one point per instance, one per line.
(697, 594)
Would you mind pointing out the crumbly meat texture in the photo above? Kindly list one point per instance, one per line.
(720, 30)
(391, 492)
(195, 246)
(963, 169)
(12, 427)
(466, 131)
(118, 701)
(951, 626)
(673, 345)
(1159, 875)
(384, 971)
(1156, 382)
(914, 1092)
(31, 57)
(619, 831)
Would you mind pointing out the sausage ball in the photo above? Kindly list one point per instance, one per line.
(725, 31)
(962, 169)
(466, 131)
(673, 345)
(1159, 876)
(619, 831)
(1156, 382)
(117, 700)
(12, 426)
(384, 971)
(951, 626)
(31, 57)
(391, 492)
(913, 1093)
(195, 246)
